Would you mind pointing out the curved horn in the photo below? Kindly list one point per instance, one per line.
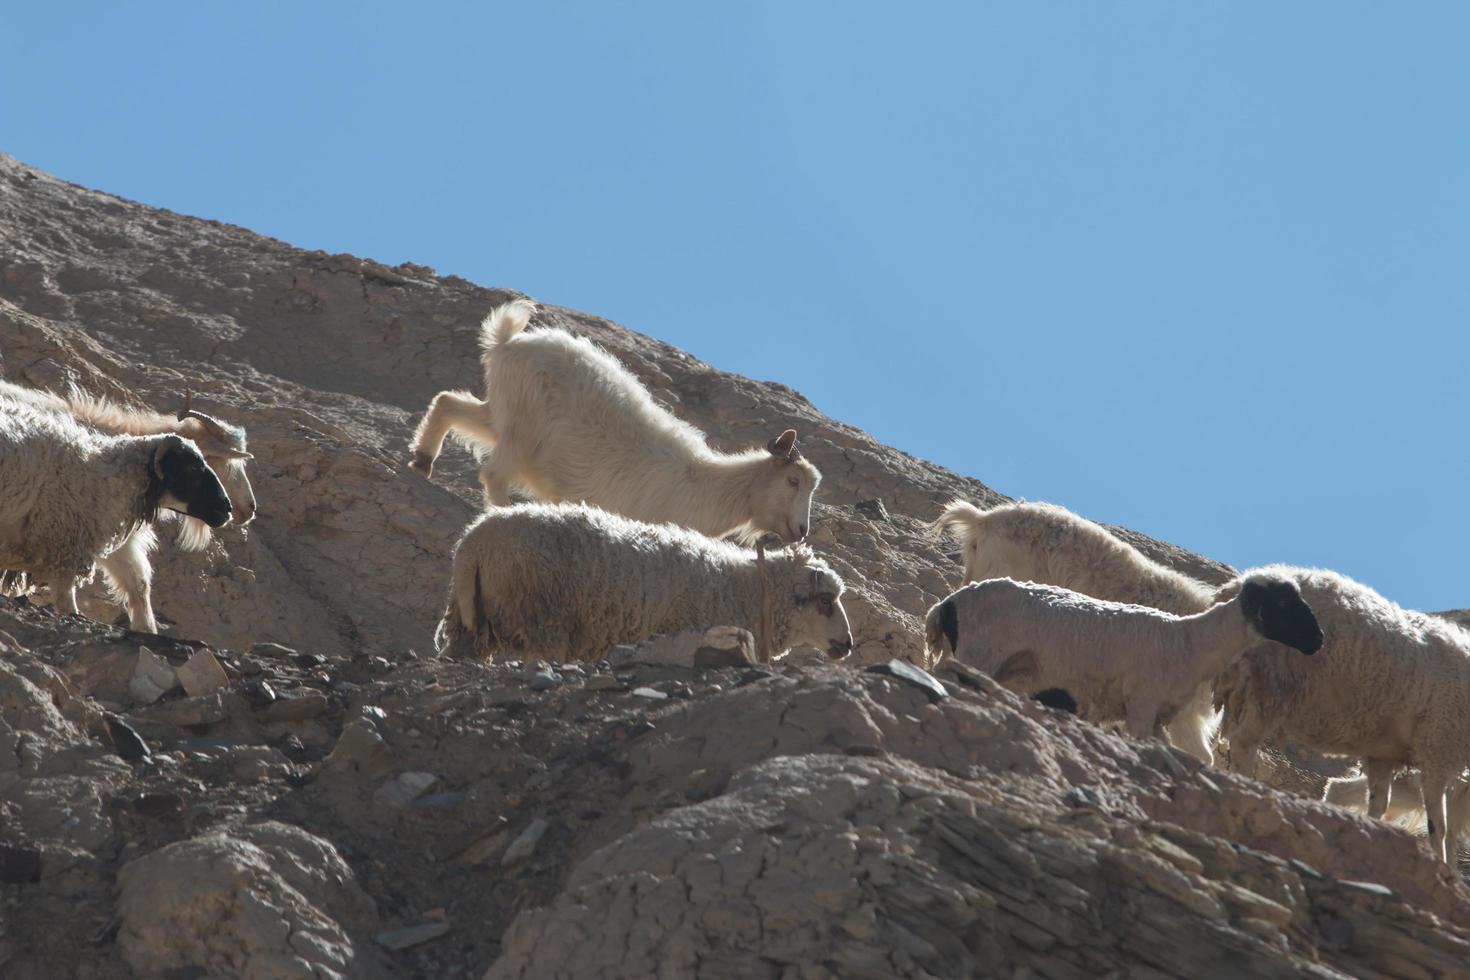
(215, 427)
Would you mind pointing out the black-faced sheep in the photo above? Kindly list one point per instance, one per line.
(72, 497)
(568, 581)
(567, 422)
(1039, 542)
(1392, 689)
(128, 569)
(1116, 661)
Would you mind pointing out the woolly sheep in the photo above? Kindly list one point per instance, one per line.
(72, 497)
(1405, 803)
(1116, 661)
(1392, 689)
(566, 421)
(1039, 542)
(128, 570)
(570, 581)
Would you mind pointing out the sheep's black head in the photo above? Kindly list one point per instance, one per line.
(180, 480)
(1056, 698)
(942, 623)
(1275, 609)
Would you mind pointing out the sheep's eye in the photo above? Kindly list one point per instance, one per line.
(825, 604)
(793, 481)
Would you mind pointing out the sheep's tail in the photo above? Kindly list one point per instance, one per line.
(961, 514)
(503, 323)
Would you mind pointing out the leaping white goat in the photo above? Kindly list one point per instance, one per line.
(565, 420)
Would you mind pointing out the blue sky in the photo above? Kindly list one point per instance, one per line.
(1200, 269)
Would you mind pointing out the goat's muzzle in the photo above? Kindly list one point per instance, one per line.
(838, 649)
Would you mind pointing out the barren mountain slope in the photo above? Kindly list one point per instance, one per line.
(349, 805)
(327, 360)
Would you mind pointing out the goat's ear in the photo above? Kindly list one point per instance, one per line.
(783, 444)
(238, 454)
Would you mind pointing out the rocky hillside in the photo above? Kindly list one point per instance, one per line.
(297, 787)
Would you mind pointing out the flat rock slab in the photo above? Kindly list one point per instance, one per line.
(125, 739)
(152, 677)
(397, 939)
(294, 706)
(403, 789)
(522, 847)
(908, 673)
(202, 674)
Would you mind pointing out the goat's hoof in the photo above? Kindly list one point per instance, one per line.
(423, 463)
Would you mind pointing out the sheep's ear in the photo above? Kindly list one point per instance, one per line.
(1252, 603)
(783, 444)
(165, 445)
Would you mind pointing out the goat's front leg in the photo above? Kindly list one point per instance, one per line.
(130, 574)
(1380, 785)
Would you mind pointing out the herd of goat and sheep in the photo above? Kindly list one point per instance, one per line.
(641, 528)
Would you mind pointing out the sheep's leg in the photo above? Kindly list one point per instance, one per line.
(1434, 782)
(449, 410)
(1458, 809)
(497, 474)
(1143, 719)
(1380, 785)
(130, 575)
(1244, 751)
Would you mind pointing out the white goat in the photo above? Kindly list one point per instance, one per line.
(570, 581)
(127, 568)
(569, 423)
(1405, 804)
(1116, 661)
(1392, 689)
(72, 497)
(1038, 542)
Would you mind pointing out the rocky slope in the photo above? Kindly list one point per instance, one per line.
(302, 804)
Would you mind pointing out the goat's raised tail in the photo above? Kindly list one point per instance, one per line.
(503, 323)
(958, 513)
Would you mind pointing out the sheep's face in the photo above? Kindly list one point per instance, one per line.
(187, 485)
(783, 506)
(1275, 609)
(819, 620)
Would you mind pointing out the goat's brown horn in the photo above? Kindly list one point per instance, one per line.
(214, 426)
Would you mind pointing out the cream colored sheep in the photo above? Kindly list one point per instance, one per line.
(568, 581)
(1039, 542)
(1116, 661)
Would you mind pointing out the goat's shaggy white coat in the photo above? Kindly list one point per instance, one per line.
(568, 581)
(1039, 542)
(1390, 688)
(1116, 661)
(72, 497)
(563, 419)
(128, 568)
